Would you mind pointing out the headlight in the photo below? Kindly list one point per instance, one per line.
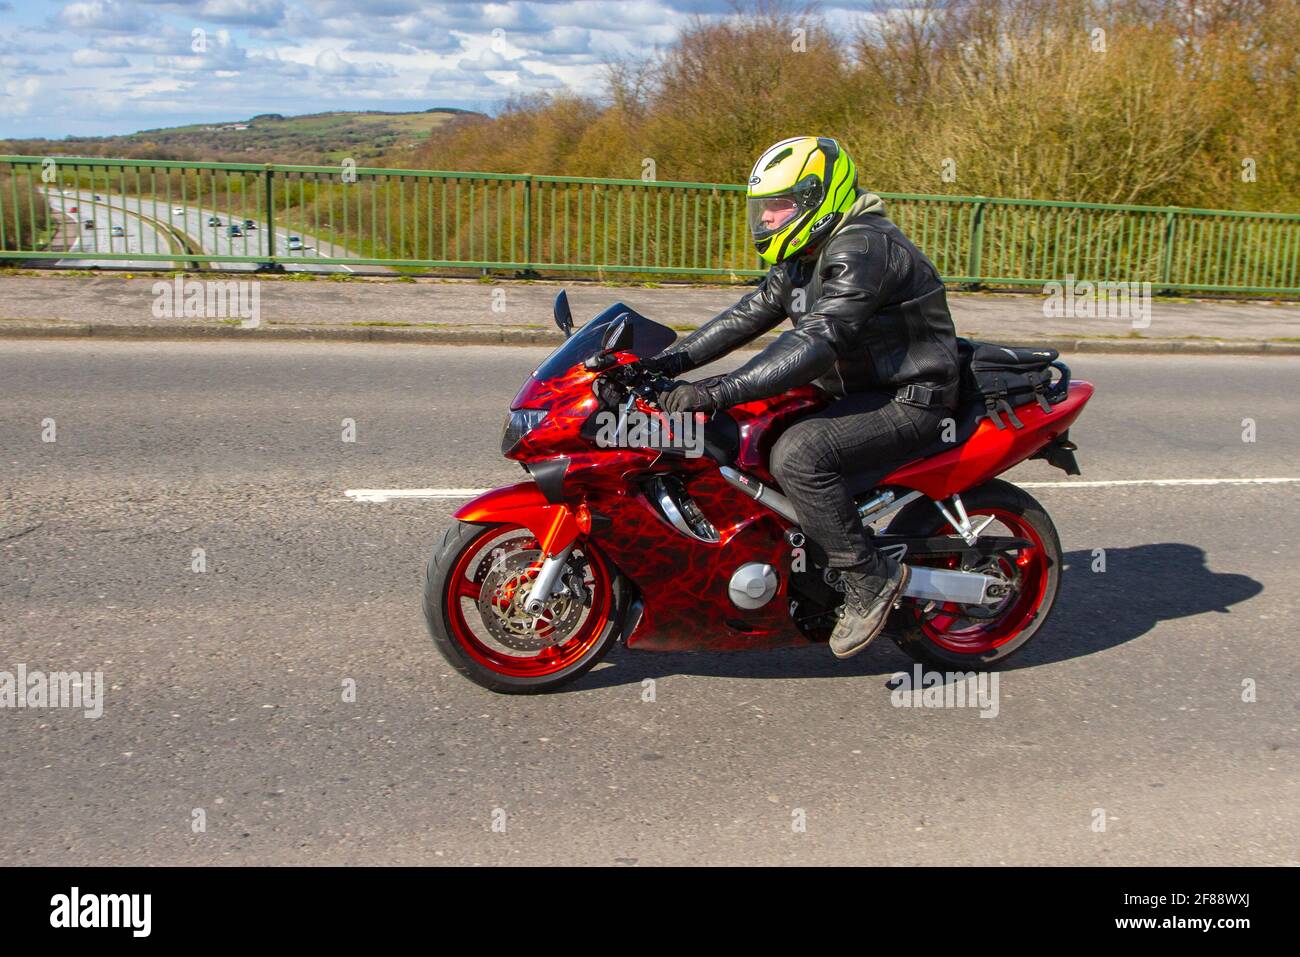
(519, 424)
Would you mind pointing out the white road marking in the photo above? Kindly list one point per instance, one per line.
(1186, 481)
(379, 495)
(388, 494)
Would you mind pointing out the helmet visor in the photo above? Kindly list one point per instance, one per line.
(770, 214)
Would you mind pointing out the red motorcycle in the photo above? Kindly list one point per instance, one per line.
(670, 551)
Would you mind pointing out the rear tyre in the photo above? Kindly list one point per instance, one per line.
(475, 587)
(962, 637)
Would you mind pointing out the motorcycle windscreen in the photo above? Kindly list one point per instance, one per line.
(648, 338)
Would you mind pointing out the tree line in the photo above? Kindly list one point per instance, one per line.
(1161, 102)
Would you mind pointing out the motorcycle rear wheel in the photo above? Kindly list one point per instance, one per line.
(952, 636)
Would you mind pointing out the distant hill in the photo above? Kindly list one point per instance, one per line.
(317, 138)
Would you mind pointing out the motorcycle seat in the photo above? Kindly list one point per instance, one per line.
(967, 418)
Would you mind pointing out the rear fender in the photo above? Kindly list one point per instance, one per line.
(555, 525)
(991, 451)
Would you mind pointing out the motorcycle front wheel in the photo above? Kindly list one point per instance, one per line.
(476, 586)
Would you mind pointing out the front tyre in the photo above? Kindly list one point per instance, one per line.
(961, 637)
(475, 590)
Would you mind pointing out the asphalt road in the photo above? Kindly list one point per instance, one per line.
(225, 688)
(138, 235)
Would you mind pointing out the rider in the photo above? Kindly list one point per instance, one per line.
(871, 326)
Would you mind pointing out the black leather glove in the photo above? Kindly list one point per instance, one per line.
(668, 364)
(689, 397)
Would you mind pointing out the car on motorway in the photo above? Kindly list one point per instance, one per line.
(72, 209)
(214, 221)
(118, 231)
(178, 210)
(295, 243)
(234, 230)
(89, 224)
(249, 224)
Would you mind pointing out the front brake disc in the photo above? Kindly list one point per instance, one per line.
(503, 596)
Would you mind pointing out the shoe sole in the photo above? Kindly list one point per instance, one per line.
(902, 586)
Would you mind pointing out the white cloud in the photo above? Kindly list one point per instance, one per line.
(19, 96)
(304, 56)
(566, 40)
(487, 59)
(261, 13)
(331, 63)
(98, 58)
(167, 42)
(96, 16)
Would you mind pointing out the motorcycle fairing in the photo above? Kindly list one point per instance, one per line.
(685, 598)
(991, 451)
(648, 338)
(683, 582)
(761, 422)
(554, 525)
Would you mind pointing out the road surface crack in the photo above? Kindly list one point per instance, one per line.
(25, 531)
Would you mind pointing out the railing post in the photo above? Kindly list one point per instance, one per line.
(528, 223)
(13, 170)
(976, 250)
(268, 177)
(1167, 254)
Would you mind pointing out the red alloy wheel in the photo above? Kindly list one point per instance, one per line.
(560, 649)
(949, 628)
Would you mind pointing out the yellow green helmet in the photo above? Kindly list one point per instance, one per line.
(798, 191)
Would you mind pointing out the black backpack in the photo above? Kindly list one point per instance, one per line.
(1005, 377)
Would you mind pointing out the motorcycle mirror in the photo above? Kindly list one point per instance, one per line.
(618, 337)
(563, 315)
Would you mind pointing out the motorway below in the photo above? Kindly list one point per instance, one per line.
(115, 229)
(140, 217)
(225, 688)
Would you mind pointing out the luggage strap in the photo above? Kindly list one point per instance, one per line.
(924, 395)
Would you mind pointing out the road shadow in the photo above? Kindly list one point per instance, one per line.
(1095, 610)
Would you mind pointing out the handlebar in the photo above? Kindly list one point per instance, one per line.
(628, 378)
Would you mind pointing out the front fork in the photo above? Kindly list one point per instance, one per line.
(557, 526)
(548, 577)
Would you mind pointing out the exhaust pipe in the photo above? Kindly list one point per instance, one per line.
(927, 584)
(940, 584)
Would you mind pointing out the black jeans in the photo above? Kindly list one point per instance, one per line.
(851, 434)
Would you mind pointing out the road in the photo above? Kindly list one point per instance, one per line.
(138, 235)
(195, 222)
(225, 688)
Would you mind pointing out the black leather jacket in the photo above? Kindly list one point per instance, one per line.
(869, 313)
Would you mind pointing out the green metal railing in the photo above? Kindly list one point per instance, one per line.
(340, 217)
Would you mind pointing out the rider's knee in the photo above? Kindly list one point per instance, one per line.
(802, 452)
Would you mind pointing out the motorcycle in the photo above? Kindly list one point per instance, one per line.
(666, 550)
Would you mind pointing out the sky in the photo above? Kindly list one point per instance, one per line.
(104, 67)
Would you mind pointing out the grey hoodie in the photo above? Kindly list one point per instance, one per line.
(865, 203)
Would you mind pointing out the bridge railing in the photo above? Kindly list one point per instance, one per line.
(303, 216)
